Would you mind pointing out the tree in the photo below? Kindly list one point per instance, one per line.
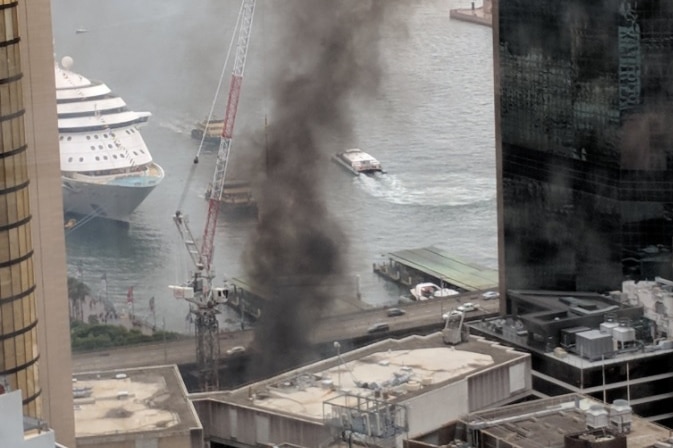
(78, 291)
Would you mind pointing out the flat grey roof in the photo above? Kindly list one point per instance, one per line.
(301, 392)
(544, 423)
(570, 358)
(131, 401)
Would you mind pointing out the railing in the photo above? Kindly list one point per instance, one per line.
(149, 170)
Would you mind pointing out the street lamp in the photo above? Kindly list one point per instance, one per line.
(337, 346)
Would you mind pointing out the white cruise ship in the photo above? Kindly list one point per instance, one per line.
(106, 168)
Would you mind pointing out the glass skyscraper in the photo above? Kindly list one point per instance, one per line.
(34, 332)
(584, 105)
(18, 308)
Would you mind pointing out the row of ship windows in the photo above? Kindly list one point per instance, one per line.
(95, 136)
(93, 148)
(114, 156)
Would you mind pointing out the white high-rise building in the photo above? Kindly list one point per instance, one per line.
(17, 431)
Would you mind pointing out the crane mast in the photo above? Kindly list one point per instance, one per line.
(199, 292)
(217, 184)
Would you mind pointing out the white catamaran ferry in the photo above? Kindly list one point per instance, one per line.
(357, 161)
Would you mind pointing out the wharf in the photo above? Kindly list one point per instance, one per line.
(249, 299)
(481, 15)
(431, 264)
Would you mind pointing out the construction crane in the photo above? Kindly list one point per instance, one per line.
(199, 291)
(217, 184)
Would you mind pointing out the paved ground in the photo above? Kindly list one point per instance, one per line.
(349, 326)
(107, 313)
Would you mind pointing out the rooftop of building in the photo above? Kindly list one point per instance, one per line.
(487, 327)
(591, 317)
(391, 370)
(559, 305)
(544, 423)
(131, 401)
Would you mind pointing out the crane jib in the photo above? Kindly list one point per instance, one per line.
(232, 106)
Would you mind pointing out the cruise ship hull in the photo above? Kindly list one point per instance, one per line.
(113, 199)
(106, 168)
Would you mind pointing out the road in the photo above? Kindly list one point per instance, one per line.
(418, 314)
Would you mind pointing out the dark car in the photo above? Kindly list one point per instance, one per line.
(378, 328)
(392, 312)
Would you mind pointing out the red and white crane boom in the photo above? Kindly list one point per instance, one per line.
(199, 291)
(217, 184)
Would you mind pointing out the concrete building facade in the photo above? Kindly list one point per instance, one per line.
(33, 295)
(381, 394)
(584, 122)
(17, 431)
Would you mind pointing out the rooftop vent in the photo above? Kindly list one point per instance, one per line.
(620, 416)
(607, 327)
(559, 352)
(413, 386)
(597, 417)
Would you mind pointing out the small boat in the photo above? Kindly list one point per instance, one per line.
(210, 131)
(426, 291)
(357, 161)
(236, 195)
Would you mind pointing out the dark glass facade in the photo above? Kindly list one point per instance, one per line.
(585, 97)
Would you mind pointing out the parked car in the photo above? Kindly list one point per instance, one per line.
(467, 307)
(379, 327)
(239, 349)
(488, 295)
(392, 312)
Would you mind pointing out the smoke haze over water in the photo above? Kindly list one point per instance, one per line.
(328, 54)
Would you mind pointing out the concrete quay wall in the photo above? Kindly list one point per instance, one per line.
(474, 16)
(481, 15)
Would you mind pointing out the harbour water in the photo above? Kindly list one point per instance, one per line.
(431, 126)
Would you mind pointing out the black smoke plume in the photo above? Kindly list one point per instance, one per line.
(328, 54)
